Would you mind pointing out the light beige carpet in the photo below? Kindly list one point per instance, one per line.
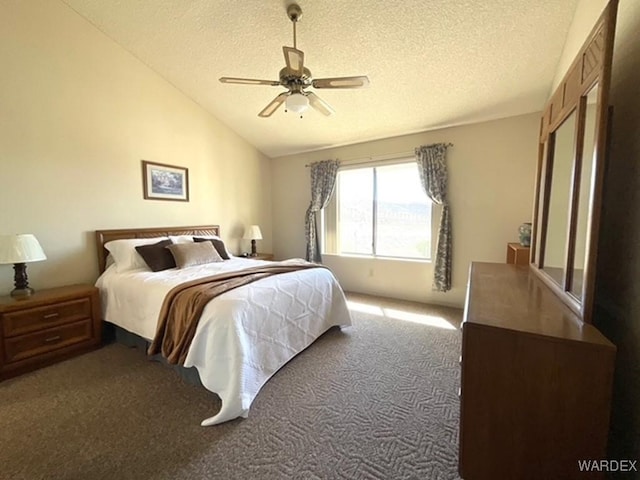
(377, 400)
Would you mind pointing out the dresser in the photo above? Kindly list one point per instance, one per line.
(536, 382)
(48, 326)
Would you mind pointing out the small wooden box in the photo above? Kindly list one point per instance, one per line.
(517, 254)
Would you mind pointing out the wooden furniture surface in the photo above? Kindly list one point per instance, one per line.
(261, 256)
(536, 381)
(105, 236)
(48, 326)
(517, 254)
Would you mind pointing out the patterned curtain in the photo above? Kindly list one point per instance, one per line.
(323, 181)
(432, 168)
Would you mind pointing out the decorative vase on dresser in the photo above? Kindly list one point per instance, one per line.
(524, 233)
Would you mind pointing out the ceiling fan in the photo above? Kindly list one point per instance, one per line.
(297, 78)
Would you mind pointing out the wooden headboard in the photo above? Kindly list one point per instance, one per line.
(104, 236)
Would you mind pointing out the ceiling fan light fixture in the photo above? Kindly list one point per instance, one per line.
(297, 103)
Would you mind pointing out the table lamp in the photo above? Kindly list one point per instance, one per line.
(253, 233)
(19, 250)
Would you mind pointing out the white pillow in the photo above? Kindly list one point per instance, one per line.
(125, 255)
(181, 238)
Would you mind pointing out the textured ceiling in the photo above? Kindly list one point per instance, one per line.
(431, 63)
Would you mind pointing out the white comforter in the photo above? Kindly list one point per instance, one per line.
(245, 335)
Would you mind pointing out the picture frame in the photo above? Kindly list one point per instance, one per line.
(165, 182)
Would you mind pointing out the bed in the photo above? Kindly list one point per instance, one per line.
(245, 335)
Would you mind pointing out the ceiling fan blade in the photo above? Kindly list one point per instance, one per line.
(249, 81)
(273, 106)
(341, 82)
(319, 104)
(294, 59)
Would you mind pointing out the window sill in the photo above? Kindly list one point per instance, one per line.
(378, 257)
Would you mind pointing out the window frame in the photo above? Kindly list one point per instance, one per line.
(330, 217)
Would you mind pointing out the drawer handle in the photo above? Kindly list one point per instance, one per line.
(51, 315)
(57, 338)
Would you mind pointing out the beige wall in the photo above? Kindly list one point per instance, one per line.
(492, 173)
(77, 115)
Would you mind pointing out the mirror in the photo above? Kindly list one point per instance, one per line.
(554, 259)
(539, 202)
(584, 197)
(572, 142)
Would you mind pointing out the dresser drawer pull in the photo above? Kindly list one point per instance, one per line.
(51, 315)
(57, 338)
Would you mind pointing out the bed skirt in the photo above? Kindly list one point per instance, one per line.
(114, 333)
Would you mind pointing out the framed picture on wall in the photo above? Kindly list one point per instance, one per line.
(165, 182)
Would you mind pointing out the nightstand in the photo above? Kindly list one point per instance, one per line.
(48, 326)
(262, 256)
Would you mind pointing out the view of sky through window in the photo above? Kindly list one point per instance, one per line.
(401, 225)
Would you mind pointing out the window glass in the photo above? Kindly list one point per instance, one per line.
(355, 211)
(380, 211)
(404, 213)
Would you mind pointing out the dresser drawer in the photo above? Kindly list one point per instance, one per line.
(32, 344)
(36, 319)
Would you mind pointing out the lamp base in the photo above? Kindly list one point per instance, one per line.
(21, 281)
(22, 292)
(254, 252)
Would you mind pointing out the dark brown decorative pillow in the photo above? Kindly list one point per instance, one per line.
(156, 255)
(188, 254)
(218, 244)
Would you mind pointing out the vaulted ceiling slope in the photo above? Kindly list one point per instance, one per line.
(432, 63)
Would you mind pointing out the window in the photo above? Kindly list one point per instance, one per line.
(379, 210)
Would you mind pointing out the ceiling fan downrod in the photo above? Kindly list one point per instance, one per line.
(294, 12)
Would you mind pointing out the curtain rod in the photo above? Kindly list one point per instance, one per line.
(375, 158)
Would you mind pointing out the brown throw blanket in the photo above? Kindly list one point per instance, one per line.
(183, 305)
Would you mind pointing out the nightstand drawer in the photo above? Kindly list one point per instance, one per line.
(30, 345)
(36, 319)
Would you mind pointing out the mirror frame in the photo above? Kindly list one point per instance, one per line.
(592, 66)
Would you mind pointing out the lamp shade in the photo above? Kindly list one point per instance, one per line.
(297, 103)
(20, 248)
(253, 233)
